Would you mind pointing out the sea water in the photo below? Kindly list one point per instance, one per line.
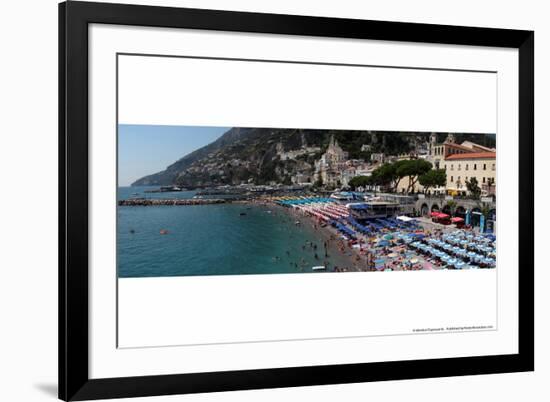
(220, 239)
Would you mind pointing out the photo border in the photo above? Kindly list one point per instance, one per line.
(74, 381)
(240, 59)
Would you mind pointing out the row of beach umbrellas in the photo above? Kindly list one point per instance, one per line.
(463, 253)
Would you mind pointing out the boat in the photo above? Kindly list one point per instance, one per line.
(318, 268)
(242, 214)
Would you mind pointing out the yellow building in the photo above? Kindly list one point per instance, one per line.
(462, 167)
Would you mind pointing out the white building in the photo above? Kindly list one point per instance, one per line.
(331, 165)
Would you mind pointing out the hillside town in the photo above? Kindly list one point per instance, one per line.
(465, 169)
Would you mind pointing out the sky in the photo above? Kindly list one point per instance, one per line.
(147, 149)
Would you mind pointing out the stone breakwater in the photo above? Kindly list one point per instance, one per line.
(142, 202)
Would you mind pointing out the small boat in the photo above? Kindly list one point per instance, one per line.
(318, 268)
(242, 214)
(163, 231)
(297, 222)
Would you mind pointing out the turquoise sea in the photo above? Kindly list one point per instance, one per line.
(224, 239)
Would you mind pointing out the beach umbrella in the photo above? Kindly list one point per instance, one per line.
(388, 237)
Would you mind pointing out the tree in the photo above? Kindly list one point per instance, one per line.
(433, 178)
(412, 169)
(399, 172)
(485, 209)
(382, 175)
(386, 175)
(319, 182)
(473, 187)
(452, 206)
(359, 181)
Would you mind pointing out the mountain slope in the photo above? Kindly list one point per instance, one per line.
(169, 175)
(263, 155)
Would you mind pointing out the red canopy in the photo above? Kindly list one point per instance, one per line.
(457, 219)
(443, 216)
(439, 215)
(434, 214)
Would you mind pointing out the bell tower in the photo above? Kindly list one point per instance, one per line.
(450, 138)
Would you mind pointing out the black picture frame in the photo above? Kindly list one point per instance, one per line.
(74, 381)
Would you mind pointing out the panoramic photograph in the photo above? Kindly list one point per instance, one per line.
(234, 201)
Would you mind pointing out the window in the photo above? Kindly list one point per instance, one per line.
(493, 167)
(452, 166)
(459, 166)
(484, 166)
(466, 166)
(475, 166)
(484, 180)
(451, 179)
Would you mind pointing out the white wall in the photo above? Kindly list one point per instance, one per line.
(28, 202)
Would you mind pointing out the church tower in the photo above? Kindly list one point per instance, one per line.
(450, 138)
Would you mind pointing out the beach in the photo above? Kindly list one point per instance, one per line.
(390, 244)
(285, 234)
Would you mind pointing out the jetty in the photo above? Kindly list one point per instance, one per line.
(143, 202)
